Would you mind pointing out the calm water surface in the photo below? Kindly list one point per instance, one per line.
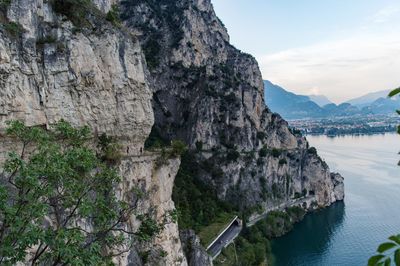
(348, 233)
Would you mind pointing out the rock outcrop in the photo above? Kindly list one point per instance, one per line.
(167, 63)
(93, 75)
(194, 251)
(208, 93)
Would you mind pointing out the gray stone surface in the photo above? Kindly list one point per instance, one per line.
(194, 86)
(205, 90)
(194, 251)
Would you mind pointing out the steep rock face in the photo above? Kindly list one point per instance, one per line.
(200, 88)
(196, 254)
(208, 93)
(156, 183)
(95, 77)
(92, 75)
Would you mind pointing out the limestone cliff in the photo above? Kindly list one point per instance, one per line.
(168, 63)
(208, 93)
(92, 75)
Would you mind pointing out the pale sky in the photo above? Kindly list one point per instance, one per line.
(340, 48)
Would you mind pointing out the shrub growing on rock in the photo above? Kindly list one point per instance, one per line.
(56, 175)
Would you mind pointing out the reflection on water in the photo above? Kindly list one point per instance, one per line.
(320, 227)
(348, 233)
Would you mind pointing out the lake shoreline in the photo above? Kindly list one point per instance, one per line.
(348, 233)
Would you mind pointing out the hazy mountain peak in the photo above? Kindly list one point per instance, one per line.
(321, 100)
(369, 98)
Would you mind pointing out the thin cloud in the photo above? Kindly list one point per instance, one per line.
(340, 69)
(386, 14)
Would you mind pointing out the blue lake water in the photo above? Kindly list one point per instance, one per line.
(348, 233)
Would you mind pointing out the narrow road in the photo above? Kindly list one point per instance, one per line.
(281, 207)
(236, 226)
(225, 239)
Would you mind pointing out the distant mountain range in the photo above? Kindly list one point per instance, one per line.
(368, 98)
(294, 106)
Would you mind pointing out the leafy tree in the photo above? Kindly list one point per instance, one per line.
(57, 205)
(386, 251)
(389, 249)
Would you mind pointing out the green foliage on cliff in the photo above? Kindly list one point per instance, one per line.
(13, 28)
(263, 152)
(312, 150)
(74, 10)
(197, 203)
(155, 140)
(110, 149)
(282, 161)
(113, 15)
(148, 228)
(178, 148)
(276, 152)
(151, 50)
(4, 4)
(278, 223)
(56, 175)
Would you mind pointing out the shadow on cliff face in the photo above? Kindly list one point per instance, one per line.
(309, 238)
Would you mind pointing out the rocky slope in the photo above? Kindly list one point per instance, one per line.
(208, 93)
(93, 76)
(168, 63)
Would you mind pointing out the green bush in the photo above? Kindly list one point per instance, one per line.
(148, 228)
(199, 145)
(263, 152)
(178, 147)
(110, 149)
(74, 10)
(276, 153)
(46, 39)
(312, 150)
(13, 28)
(113, 15)
(296, 213)
(151, 50)
(282, 161)
(261, 135)
(155, 140)
(278, 223)
(232, 155)
(275, 190)
(4, 4)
